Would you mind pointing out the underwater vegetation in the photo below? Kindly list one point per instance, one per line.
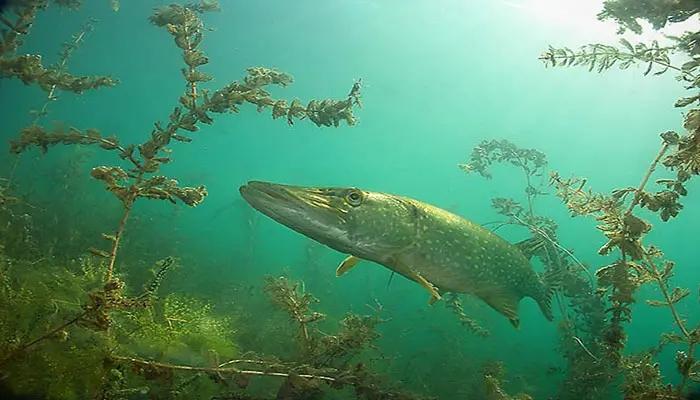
(120, 344)
(583, 318)
(638, 262)
(112, 324)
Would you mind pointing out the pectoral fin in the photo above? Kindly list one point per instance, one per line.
(347, 265)
(434, 294)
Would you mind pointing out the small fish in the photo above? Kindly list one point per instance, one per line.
(435, 248)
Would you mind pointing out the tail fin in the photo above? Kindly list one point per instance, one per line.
(551, 281)
(545, 303)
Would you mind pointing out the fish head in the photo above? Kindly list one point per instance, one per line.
(368, 225)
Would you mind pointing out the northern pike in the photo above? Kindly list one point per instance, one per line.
(439, 250)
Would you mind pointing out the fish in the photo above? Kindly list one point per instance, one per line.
(435, 248)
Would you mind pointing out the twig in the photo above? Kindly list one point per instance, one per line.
(218, 370)
(645, 180)
(583, 346)
(242, 362)
(557, 245)
(637, 56)
(117, 239)
(9, 24)
(45, 336)
(654, 268)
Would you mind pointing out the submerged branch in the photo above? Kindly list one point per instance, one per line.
(29, 69)
(216, 370)
(602, 57)
(640, 189)
(43, 337)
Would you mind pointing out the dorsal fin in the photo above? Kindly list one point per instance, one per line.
(529, 247)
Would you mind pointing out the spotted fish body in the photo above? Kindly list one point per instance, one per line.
(433, 247)
(457, 255)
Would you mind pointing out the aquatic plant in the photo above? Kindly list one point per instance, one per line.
(141, 180)
(532, 163)
(60, 67)
(106, 309)
(333, 353)
(493, 374)
(324, 361)
(584, 318)
(640, 263)
(658, 13)
(29, 67)
(454, 302)
(38, 296)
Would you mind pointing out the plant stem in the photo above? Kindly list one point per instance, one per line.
(676, 317)
(191, 69)
(217, 370)
(640, 57)
(9, 24)
(647, 257)
(128, 204)
(20, 27)
(653, 268)
(529, 195)
(684, 379)
(45, 336)
(645, 180)
(665, 292)
(554, 243)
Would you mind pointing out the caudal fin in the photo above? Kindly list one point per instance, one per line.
(545, 303)
(551, 280)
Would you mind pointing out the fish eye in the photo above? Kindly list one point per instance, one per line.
(354, 197)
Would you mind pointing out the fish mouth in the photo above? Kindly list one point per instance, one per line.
(309, 211)
(258, 194)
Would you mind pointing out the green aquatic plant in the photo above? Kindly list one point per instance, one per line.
(106, 309)
(638, 262)
(658, 13)
(584, 318)
(643, 380)
(493, 374)
(29, 67)
(61, 67)
(324, 362)
(336, 353)
(297, 303)
(141, 179)
(36, 297)
(454, 303)
(532, 162)
(68, 48)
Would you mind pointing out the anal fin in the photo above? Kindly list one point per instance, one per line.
(347, 265)
(501, 301)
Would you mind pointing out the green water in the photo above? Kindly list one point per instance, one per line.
(438, 78)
